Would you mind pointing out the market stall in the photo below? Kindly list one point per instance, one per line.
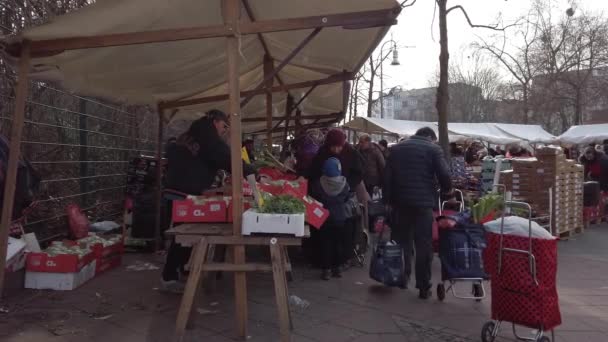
(147, 52)
(532, 134)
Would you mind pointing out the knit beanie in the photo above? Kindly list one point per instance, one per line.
(332, 167)
(335, 137)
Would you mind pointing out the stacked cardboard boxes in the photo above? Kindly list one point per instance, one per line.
(531, 179)
(488, 171)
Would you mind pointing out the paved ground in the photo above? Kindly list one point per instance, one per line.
(123, 305)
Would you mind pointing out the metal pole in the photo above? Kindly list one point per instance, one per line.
(159, 180)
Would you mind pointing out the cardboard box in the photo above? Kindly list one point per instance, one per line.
(60, 281)
(254, 222)
(203, 210)
(63, 263)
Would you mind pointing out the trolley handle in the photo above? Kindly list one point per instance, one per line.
(442, 204)
(531, 258)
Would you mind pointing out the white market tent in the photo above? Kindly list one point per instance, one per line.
(499, 134)
(529, 133)
(584, 134)
(187, 56)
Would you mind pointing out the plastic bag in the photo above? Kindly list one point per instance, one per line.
(518, 226)
(79, 223)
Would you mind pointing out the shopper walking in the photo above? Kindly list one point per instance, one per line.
(332, 190)
(410, 190)
(374, 163)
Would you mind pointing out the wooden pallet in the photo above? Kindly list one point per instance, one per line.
(571, 233)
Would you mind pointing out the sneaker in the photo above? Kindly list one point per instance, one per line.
(425, 294)
(172, 286)
(326, 274)
(336, 273)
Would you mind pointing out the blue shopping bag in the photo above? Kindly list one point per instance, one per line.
(387, 264)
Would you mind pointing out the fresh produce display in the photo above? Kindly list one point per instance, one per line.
(93, 239)
(58, 248)
(282, 204)
(488, 205)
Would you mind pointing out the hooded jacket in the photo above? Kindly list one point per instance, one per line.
(333, 192)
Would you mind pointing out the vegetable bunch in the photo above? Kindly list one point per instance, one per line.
(486, 205)
(282, 204)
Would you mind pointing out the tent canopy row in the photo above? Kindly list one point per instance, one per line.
(585, 134)
(499, 134)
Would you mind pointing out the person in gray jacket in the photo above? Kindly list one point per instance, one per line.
(413, 169)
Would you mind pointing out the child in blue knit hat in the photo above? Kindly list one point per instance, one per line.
(333, 191)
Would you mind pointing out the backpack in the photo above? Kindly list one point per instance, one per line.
(27, 184)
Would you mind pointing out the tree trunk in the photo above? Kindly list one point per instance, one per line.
(443, 95)
(578, 115)
(370, 93)
(526, 108)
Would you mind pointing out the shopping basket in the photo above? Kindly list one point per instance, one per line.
(523, 282)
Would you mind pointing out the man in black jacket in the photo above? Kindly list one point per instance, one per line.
(412, 171)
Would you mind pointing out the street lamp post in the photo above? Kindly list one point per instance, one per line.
(395, 61)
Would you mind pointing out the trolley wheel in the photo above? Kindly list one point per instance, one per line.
(440, 291)
(477, 291)
(486, 332)
(544, 339)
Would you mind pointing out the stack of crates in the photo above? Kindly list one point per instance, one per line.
(488, 171)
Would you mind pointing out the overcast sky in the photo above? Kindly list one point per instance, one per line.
(419, 64)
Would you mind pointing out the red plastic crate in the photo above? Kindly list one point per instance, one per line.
(63, 263)
(210, 211)
(108, 263)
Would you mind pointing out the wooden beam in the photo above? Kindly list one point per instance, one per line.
(268, 76)
(298, 121)
(282, 118)
(306, 126)
(288, 110)
(231, 14)
(13, 157)
(363, 19)
(216, 98)
(159, 180)
(284, 62)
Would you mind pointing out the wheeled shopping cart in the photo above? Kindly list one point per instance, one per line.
(460, 251)
(523, 282)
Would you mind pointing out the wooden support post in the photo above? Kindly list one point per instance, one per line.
(232, 10)
(268, 66)
(288, 110)
(192, 287)
(13, 158)
(298, 122)
(159, 175)
(280, 288)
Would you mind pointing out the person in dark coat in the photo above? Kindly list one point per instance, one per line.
(335, 145)
(193, 163)
(410, 190)
(332, 190)
(373, 169)
(596, 166)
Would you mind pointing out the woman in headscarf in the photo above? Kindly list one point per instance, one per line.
(193, 163)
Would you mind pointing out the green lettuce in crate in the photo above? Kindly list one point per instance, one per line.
(282, 204)
(486, 205)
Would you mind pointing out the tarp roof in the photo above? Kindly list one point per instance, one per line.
(529, 133)
(187, 69)
(500, 134)
(585, 134)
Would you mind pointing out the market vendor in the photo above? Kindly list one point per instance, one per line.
(596, 166)
(192, 166)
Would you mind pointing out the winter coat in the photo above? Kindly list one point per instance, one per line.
(412, 171)
(334, 193)
(603, 179)
(373, 169)
(351, 160)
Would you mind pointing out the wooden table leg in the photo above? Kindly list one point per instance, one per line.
(185, 310)
(240, 293)
(287, 262)
(280, 288)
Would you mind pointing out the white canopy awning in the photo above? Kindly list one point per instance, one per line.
(499, 134)
(149, 73)
(585, 134)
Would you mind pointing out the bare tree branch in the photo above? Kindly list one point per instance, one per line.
(466, 15)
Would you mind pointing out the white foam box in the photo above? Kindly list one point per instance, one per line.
(254, 222)
(60, 281)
